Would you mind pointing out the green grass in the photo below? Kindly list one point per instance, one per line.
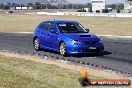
(98, 25)
(20, 73)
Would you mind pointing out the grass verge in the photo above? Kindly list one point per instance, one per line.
(98, 25)
(21, 73)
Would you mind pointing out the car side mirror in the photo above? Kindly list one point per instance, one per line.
(87, 30)
(53, 31)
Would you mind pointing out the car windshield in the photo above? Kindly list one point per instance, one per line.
(71, 28)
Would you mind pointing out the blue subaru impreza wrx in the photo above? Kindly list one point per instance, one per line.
(66, 37)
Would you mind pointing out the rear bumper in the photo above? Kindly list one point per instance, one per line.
(85, 49)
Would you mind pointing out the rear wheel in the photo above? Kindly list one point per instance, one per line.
(36, 44)
(63, 49)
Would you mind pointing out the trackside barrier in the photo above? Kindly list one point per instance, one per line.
(98, 14)
(124, 15)
(71, 14)
(87, 14)
(46, 13)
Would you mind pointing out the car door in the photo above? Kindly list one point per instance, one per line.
(44, 34)
(53, 37)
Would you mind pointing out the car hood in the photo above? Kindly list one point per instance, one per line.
(82, 37)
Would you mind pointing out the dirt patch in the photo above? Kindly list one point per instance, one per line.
(64, 64)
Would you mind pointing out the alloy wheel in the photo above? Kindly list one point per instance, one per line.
(36, 44)
(63, 49)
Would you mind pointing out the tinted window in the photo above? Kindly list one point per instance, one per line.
(71, 27)
(48, 25)
(51, 25)
(45, 26)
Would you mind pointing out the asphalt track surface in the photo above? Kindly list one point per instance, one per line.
(117, 55)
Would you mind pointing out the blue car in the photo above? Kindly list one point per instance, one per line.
(66, 37)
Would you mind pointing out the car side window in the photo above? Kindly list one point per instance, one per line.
(51, 25)
(45, 26)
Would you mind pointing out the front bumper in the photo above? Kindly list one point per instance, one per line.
(84, 49)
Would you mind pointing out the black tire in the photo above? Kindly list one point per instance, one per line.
(62, 49)
(85, 82)
(36, 44)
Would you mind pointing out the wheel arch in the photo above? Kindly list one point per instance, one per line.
(34, 39)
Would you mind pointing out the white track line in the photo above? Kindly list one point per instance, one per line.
(18, 32)
(113, 36)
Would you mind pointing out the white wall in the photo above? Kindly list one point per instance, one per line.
(18, 8)
(87, 9)
(30, 8)
(98, 5)
(24, 8)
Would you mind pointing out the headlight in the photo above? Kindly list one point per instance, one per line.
(100, 41)
(76, 42)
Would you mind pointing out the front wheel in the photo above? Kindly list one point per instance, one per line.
(63, 49)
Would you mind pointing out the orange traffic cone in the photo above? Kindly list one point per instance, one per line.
(84, 80)
(84, 73)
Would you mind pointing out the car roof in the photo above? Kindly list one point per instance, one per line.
(61, 21)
